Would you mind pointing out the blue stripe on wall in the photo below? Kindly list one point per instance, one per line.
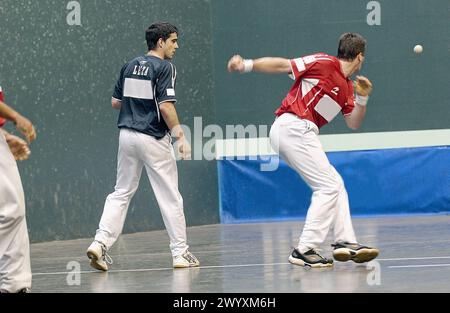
(390, 181)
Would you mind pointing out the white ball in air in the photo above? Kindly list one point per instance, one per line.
(418, 49)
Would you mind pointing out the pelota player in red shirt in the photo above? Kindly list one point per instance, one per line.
(15, 269)
(321, 90)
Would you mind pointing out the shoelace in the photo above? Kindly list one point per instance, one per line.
(316, 252)
(108, 259)
(354, 246)
(190, 257)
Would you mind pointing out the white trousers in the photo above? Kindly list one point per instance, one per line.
(15, 270)
(136, 151)
(298, 144)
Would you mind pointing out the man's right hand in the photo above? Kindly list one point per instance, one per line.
(236, 64)
(25, 127)
(184, 149)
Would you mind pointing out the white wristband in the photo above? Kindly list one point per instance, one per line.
(362, 100)
(248, 65)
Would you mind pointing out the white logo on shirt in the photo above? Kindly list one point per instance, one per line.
(140, 70)
(335, 90)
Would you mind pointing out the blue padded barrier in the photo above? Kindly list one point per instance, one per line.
(390, 181)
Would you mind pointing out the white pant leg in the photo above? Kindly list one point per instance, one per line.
(160, 163)
(343, 227)
(299, 146)
(129, 169)
(15, 269)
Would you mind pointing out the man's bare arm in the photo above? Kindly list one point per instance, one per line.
(116, 103)
(170, 116)
(271, 65)
(363, 88)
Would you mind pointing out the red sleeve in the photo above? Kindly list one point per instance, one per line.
(302, 65)
(350, 104)
(298, 67)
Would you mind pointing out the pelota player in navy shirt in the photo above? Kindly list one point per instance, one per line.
(145, 95)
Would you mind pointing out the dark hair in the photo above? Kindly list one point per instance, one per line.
(350, 45)
(158, 30)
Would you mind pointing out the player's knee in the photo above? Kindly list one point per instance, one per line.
(15, 217)
(121, 194)
(339, 184)
(336, 183)
(333, 186)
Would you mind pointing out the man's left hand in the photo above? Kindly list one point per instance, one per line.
(19, 147)
(363, 86)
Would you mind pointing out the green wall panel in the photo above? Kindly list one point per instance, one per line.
(62, 78)
(410, 91)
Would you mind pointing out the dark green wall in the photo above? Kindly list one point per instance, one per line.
(410, 91)
(62, 78)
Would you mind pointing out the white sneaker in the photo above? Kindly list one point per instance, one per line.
(98, 256)
(185, 260)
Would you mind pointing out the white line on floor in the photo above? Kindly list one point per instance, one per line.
(423, 258)
(419, 266)
(161, 269)
(250, 265)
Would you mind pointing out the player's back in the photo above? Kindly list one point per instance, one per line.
(145, 81)
(320, 90)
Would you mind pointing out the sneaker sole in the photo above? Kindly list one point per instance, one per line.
(365, 255)
(94, 258)
(299, 262)
(184, 266)
(360, 256)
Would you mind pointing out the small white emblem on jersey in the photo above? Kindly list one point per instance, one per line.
(335, 90)
(171, 92)
(300, 64)
(309, 59)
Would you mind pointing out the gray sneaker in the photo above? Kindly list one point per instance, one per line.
(310, 258)
(345, 251)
